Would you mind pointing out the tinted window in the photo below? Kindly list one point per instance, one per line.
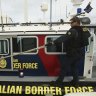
(29, 43)
(22, 44)
(54, 48)
(16, 44)
(3, 47)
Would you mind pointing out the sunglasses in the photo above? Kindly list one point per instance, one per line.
(72, 22)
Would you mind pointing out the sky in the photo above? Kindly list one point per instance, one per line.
(60, 10)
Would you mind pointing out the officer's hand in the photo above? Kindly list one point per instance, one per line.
(50, 43)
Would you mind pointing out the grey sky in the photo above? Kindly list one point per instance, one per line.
(15, 9)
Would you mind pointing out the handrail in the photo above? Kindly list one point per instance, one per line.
(38, 23)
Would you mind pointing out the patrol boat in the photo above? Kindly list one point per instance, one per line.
(27, 65)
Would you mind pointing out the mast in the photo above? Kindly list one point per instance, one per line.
(25, 11)
(1, 16)
(50, 14)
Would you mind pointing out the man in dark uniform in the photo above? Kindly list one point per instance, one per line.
(72, 41)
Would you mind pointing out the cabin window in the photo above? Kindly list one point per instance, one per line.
(24, 43)
(29, 43)
(3, 47)
(53, 48)
(16, 44)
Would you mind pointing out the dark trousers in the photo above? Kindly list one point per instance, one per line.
(69, 62)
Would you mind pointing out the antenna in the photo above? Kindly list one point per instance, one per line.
(55, 9)
(1, 16)
(25, 11)
(50, 14)
(66, 12)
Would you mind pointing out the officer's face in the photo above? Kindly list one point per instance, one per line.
(73, 23)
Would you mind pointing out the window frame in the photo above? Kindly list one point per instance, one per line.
(7, 46)
(20, 37)
(50, 53)
(4, 46)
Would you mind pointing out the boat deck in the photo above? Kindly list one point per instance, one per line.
(41, 79)
(41, 86)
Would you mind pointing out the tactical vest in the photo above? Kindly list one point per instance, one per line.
(79, 40)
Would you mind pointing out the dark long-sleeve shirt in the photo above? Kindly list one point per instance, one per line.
(71, 40)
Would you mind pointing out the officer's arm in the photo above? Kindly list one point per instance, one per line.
(69, 35)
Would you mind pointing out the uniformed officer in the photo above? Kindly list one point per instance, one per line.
(72, 44)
